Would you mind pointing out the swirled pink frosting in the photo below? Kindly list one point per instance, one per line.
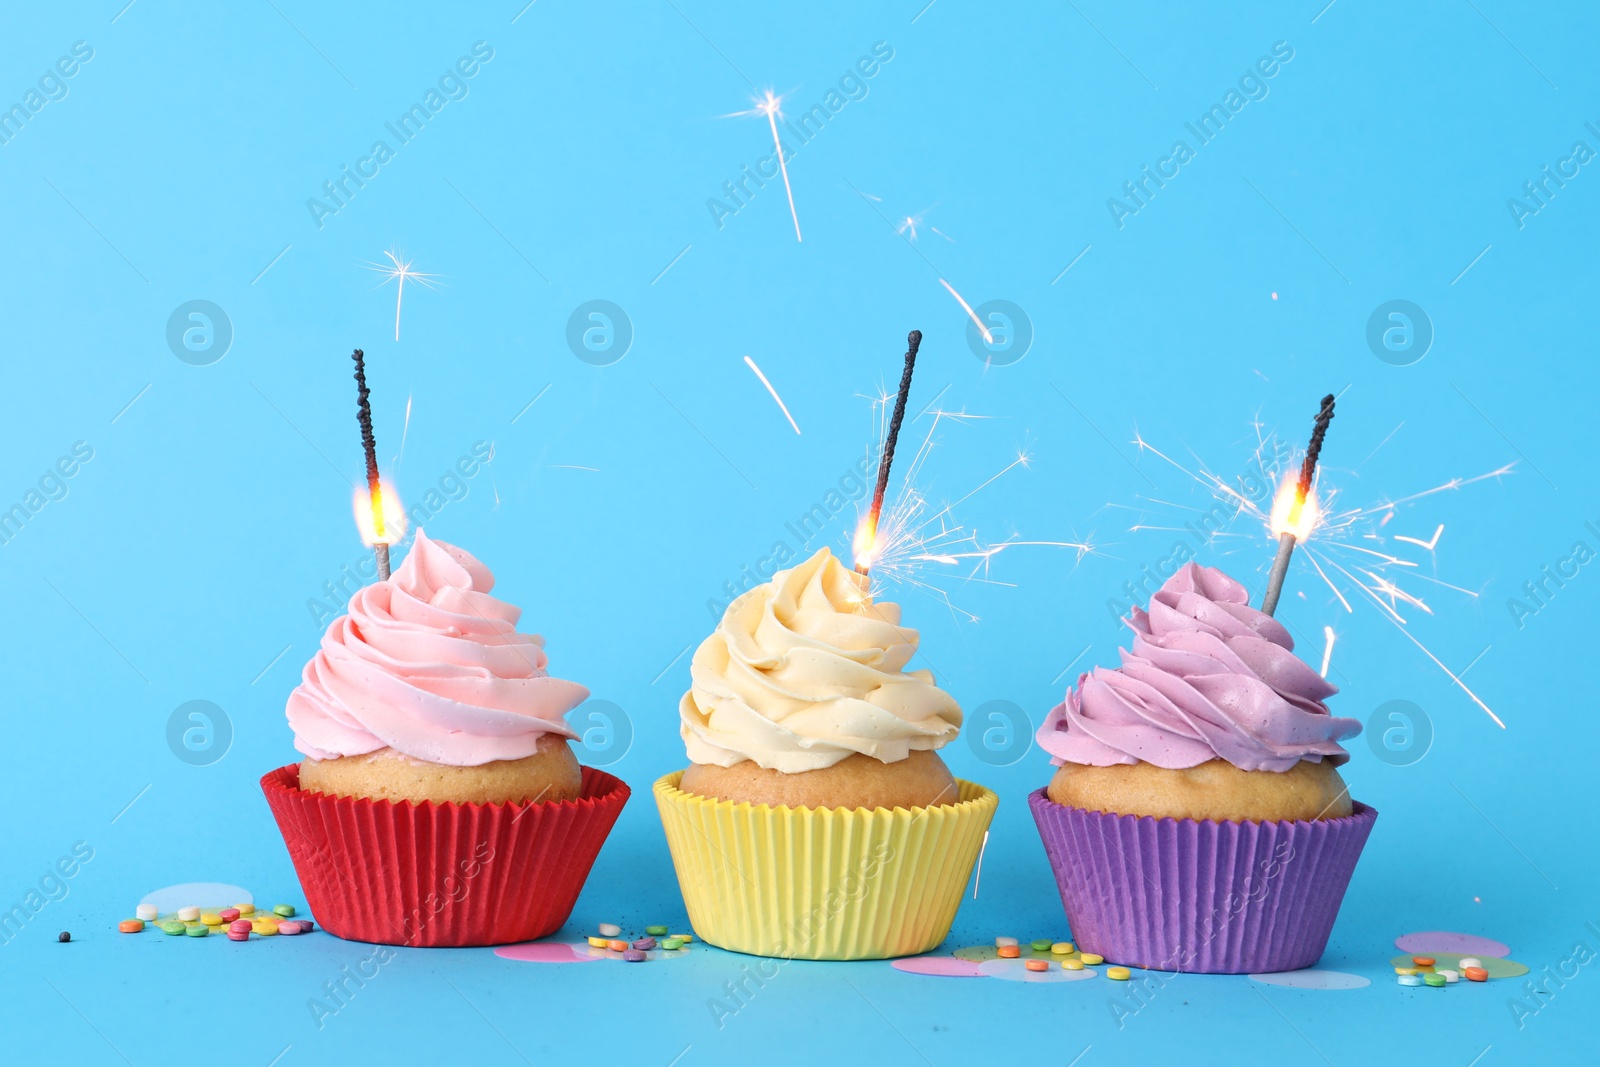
(1209, 678)
(429, 664)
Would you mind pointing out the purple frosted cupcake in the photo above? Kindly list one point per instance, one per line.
(1197, 820)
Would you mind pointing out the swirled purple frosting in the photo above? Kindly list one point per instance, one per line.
(1209, 677)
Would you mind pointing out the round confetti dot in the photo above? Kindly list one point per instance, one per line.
(211, 918)
(284, 910)
(189, 914)
(1450, 976)
(1005, 942)
(1442, 942)
(1118, 974)
(1037, 965)
(147, 912)
(1409, 979)
(1471, 961)
(1009, 952)
(609, 930)
(1436, 980)
(1405, 970)
(240, 926)
(1312, 978)
(228, 915)
(1476, 974)
(634, 955)
(1091, 958)
(245, 908)
(290, 928)
(130, 926)
(599, 942)
(174, 927)
(1063, 948)
(617, 946)
(198, 930)
(1040, 946)
(1072, 965)
(1422, 961)
(64, 936)
(671, 944)
(932, 966)
(238, 935)
(685, 938)
(1017, 971)
(656, 931)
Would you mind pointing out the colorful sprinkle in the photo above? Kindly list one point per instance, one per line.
(1005, 942)
(1422, 961)
(147, 912)
(1037, 965)
(188, 915)
(227, 915)
(1449, 975)
(130, 926)
(609, 930)
(685, 938)
(1405, 970)
(1072, 965)
(306, 926)
(238, 935)
(1436, 980)
(1091, 958)
(197, 930)
(240, 926)
(245, 909)
(284, 910)
(1118, 974)
(1041, 946)
(656, 931)
(264, 928)
(599, 942)
(1009, 952)
(290, 928)
(617, 946)
(1475, 974)
(174, 927)
(671, 944)
(1471, 961)
(634, 955)
(1409, 979)
(211, 918)
(645, 944)
(1063, 948)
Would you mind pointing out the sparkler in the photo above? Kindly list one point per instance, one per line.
(866, 537)
(1299, 519)
(1348, 550)
(387, 521)
(400, 272)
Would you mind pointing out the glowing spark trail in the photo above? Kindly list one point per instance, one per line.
(769, 106)
(782, 406)
(1345, 548)
(400, 273)
(1329, 637)
(987, 337)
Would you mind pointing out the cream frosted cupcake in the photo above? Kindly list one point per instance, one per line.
(816, 819)
(1197, 820)
(439, 802)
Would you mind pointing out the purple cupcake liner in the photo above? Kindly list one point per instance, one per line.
(1201, 897)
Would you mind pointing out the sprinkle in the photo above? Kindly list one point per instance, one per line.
(671, 944)
(240, 926)
(1475, 974)
(609, 930)
(645, 944)
(306, 926)
(1405, 970)
(1005, 942)
(1409, 979)
(1040, 946)
(598, 942)
(1072, 965)
(656, 931)
(1118, 974)
(1449, 975)
(211, 918)
(1423, 961)
(1036, 965)
(264, 928)
(290, 927)
(64, 936)
(238, 935)
(1063, 948)
(1470, 961)
(245, 909)
(685, 938)
(228, 914)
(634, 955)
(284, 910)
(1091, 958)
(147, 912)
(174, 927)
(1436, 980)
(1009, 952)
(130, 926)
(617, 946)
(197, 930)
(188, 915)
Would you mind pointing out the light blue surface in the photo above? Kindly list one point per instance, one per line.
(577, 166)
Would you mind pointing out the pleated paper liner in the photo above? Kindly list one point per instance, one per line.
(1201, 896)
(428, 875)
(823, 883)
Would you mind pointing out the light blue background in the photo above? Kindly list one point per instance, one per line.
(178, 565)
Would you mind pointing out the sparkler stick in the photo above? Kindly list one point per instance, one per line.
(380, 547)
(864, 560)
(1286, 540)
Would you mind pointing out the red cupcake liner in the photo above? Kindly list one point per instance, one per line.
(1201, 896)
(436, 875)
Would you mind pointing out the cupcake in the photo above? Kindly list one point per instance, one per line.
(816, 819)
(1197, 820)
(439, 801)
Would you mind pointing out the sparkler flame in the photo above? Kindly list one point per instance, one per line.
(1292, 513)
(369, 506)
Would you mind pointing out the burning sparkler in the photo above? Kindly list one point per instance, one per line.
(400, 272)
(867, 535)
(1346, 548)
(1294, 513)
(379, 516)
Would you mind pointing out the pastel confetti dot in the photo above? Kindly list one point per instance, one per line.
(1409, 979)
(1439, 942)
(147, 912)
(634, 955)
(656, 931)
(1063, 948)
(189, 914)
(130, 926)
(1313, 978)
(937, 967)
(1037, 965)
(609, 930)
(1118, 974)
(546, 952)
(284, 910)
(1005, 942)
(1091, 958)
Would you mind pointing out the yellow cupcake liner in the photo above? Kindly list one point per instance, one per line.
(823, 883)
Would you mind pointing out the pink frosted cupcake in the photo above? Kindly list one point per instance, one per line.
(439, 802)
(1197, 820)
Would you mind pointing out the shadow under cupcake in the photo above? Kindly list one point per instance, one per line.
(439, 803)
(1197, 820)
(816, 820)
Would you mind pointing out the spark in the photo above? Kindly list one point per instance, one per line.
(781, 405)
(988, 338)
(405, 430)
(400, 272)
(1350, 550)
(911, 227)
(770, 105)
